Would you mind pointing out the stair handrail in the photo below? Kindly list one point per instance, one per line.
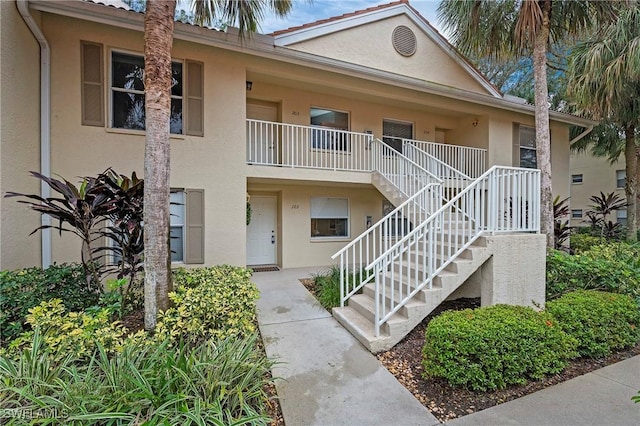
(377, 238)
(470, 159)
(381, 153)
(484, 197)
(409, 146)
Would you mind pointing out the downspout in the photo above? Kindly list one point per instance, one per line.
(581, 135)
(45, 124)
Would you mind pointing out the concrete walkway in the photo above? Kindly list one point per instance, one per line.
(330, 379)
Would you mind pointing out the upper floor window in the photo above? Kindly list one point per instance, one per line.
(393, 132)
(333, 122)
(621, 178)
(576, 214)
(125, 90)
(576, 178)
(127, 93)
(527, 147)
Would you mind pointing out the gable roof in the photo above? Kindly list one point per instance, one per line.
(334, 24)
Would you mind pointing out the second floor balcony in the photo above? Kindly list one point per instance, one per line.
(316, 147)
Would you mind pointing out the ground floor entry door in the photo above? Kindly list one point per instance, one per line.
(261, 232)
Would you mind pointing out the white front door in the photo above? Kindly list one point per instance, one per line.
(262, 138)
(261, 232)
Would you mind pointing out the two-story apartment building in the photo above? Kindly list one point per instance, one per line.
(366, 137)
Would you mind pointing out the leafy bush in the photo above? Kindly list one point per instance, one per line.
(613, 267)
(581, 242)
(72, 335)
(494, 347)
(213, 383)
(600, 321)
(215, 302)
(22, 289)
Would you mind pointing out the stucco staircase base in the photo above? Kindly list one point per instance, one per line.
(358, 316)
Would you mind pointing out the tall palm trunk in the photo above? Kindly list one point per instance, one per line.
(158, 40)
(543, 137)
(631, 186)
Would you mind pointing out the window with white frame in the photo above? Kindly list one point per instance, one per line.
(621, 216)
(621, 178)
(527, 145)
(576, 214)
(331, 123)
(177, 240)
(576, 178)
(127, 93)
(329, 217)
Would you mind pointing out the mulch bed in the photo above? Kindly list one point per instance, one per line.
(447, 402)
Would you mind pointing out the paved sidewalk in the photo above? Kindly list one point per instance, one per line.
(602, 397)
(330, 379)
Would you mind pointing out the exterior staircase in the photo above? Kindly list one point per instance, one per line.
(399, 270)
(358, 317)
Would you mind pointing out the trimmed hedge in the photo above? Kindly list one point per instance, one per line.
(215, 302)
(22, 289)
(584, 242)
(601, 322)
(493, 347)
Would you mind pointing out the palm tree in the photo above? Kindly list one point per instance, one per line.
(158, 40)
(604, 79)
(516, 28)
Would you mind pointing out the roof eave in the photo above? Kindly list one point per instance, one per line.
(262, 46)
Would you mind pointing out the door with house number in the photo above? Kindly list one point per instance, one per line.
(263, 138)
(261, 232)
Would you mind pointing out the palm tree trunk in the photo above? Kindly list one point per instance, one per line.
(543, 138)
(631, 185)
(158, 40)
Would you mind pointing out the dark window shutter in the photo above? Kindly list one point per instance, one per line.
(92, 84)
(194, 232)
(195, 98)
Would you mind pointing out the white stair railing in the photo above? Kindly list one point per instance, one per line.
(469, 161)
(453, 180)
(406, 175)
(279, 144)
(423, 190)
(503, 199)
(381, 236)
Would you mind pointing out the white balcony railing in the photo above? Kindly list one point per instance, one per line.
(279, 144)
(467, 160)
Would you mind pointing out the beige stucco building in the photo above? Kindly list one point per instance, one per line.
(318, 126)
(590, 176)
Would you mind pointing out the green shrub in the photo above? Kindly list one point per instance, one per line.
(22, 289)
(328, 286)
(153, 384)
(72, 334)
(581, 242)
(494, 347)
(600, 321)
(215, 302)
(613, 267)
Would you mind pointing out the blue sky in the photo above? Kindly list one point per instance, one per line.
(304, 11)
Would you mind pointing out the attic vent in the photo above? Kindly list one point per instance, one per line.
(404, 41)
